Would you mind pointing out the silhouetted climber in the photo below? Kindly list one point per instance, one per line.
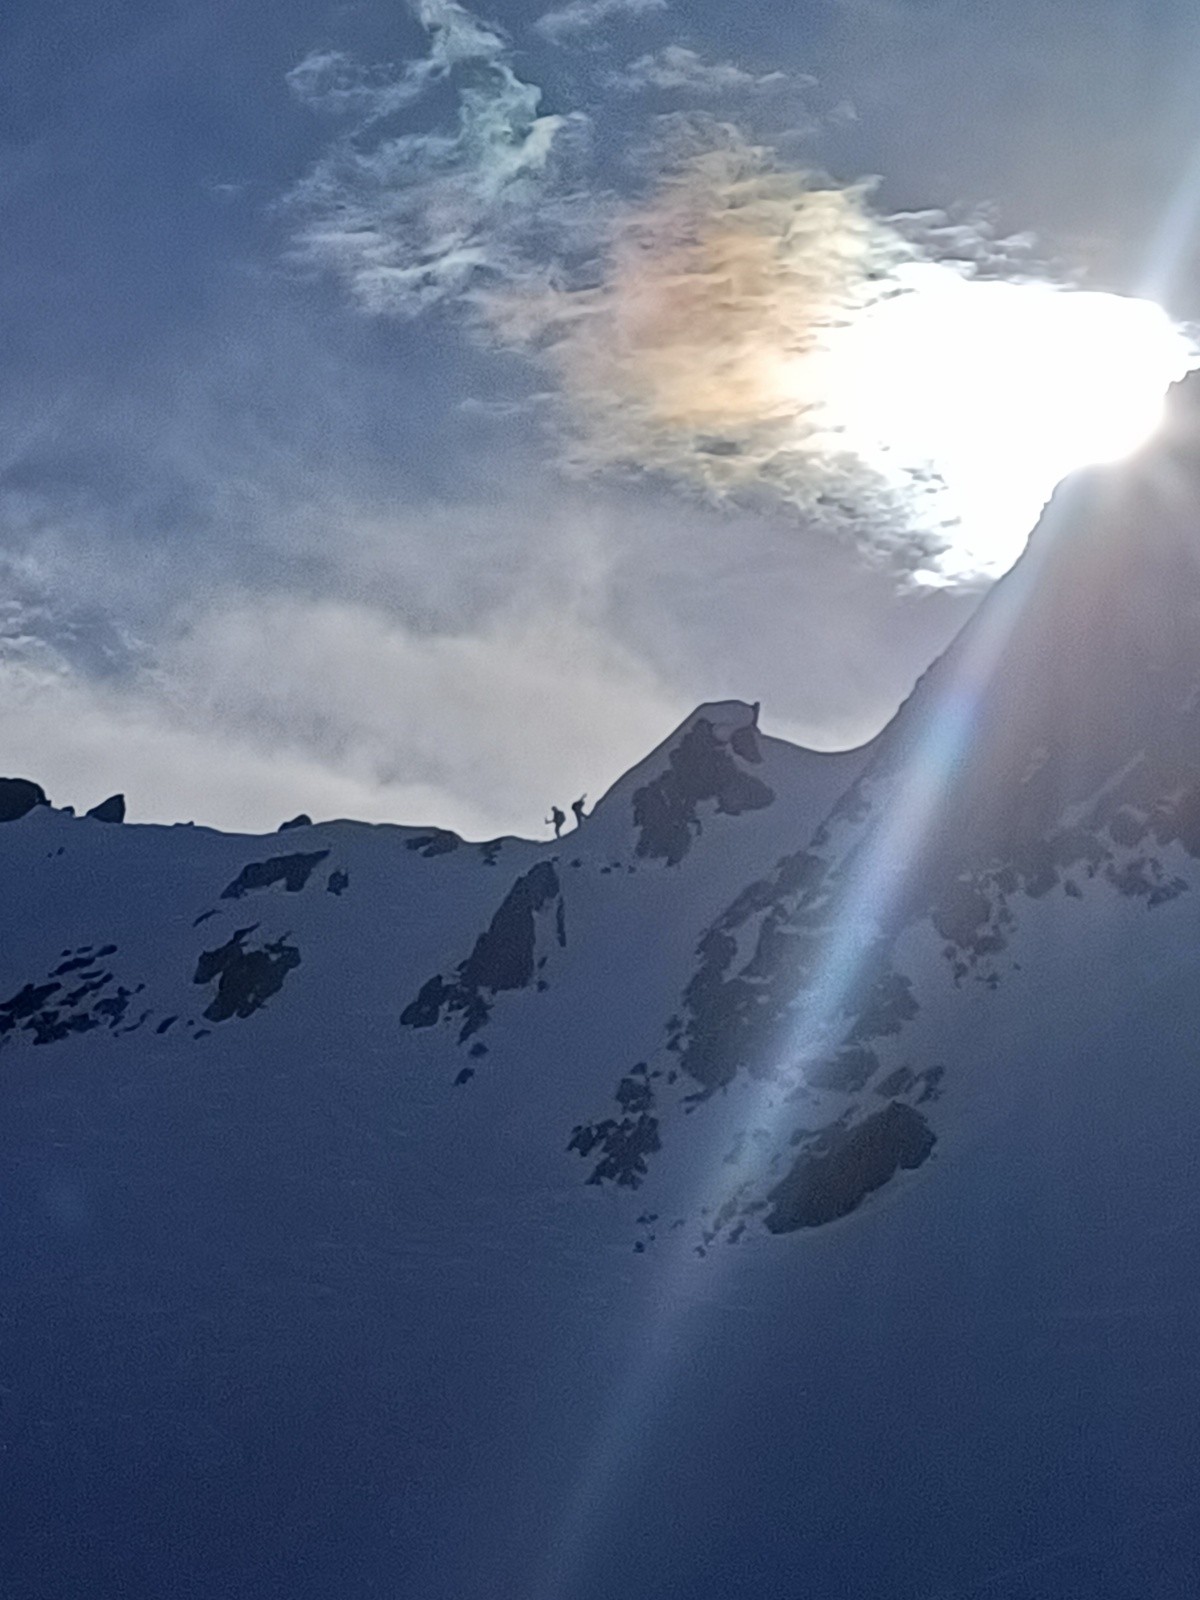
(557, 818)
(577, 808)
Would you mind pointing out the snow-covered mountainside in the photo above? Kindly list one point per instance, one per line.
(781, 1184)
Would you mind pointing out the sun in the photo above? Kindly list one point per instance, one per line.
(998, 390)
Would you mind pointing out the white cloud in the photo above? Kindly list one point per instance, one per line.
(267, 705)
(336, 85)
(539, 698)
(582, 16)
(676, 68)
(83, 741)
(414, 219)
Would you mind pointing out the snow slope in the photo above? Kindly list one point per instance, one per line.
(782, 1185)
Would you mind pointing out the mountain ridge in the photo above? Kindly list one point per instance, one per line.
(736, 1195)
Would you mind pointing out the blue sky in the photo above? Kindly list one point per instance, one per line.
(273, 537)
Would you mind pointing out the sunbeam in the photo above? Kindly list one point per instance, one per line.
(909, 801)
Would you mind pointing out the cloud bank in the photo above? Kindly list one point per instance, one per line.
(262, 704)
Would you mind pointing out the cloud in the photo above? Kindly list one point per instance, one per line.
(224, 192)
(678, 325)
(676, 68)
(410, 220)
(701, 350)
(336, 84)
(83, 741)
(582, 16)
(556, 640)
(725, 260)
(264, 706)
(675, 326)
(734, 324)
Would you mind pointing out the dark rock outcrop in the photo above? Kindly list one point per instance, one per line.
(701, 770)
(844, 1166)
(292, 871)
(303, 820)
(110, 810)
(627, 1141)
(54, 1010)
(503, 957)
(245, 978)
(19, 796)
(441, 842)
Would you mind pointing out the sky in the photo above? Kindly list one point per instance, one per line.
(412, 412)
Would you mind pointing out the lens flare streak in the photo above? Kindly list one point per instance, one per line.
(868, 897)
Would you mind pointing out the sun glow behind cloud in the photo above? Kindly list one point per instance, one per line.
(758, 336)
(732, 325)
(996, 391)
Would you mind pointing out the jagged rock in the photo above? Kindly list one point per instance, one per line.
(246, 979)
(292, 871)
(701, 769)
(846, 1166)
(19, 796)
(438, 843)
(303, 820)
(503, 957)
(110, 810)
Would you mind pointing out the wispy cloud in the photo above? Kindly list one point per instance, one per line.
(582, 16)
(414, 219)
(336, 85)
(675, 68)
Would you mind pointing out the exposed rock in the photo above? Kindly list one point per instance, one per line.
(303, 820)
(626, 1146)
(503, 957)
(842, 1168)
(899, 1081)
(19, 796)
(848, 1071)
(626, 1142)
(426, 1009)
(440, 842)
(48, 1015)
(246, 978)
(701, 769)
(292, 871)
(25, 1003)
(744, 742)
(110, 810)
